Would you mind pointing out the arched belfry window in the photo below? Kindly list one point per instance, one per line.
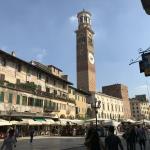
(81, 19)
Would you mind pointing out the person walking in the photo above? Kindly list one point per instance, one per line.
(126, 137)
(31, 135)
(92, 141)
(141, 137)
(132, 138)
(9, 142)
(112, 142)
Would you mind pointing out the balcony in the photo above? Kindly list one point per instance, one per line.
(50, 109)
(32, 88)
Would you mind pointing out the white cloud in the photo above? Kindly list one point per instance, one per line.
(73, 19)
(40, 54)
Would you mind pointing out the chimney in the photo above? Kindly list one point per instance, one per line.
(13, 53)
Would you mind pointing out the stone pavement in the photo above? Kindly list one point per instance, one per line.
(57, 143)
(50, 143)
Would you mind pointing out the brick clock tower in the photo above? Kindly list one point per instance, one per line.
(86, 76)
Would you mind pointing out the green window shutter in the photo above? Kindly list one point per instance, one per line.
(10, 98)
(1, 96)
(18, 99)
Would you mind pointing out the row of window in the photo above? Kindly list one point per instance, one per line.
(80, 110)
(39, 74)
(77, 97)
(113, 108)
(108, 116)
(30, 101)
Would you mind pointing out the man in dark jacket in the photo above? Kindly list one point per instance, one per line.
(112, 142)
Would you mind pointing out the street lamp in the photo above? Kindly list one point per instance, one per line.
(97, 104)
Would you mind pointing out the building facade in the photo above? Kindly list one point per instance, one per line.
(33, 89)
(86, 76)
(80, 98)
(140, 108)
(120, 91)
(110, 107)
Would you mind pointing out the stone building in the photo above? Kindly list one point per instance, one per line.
(80, 101)
(33, 89)
(140, 107)
(110, 107)
(120, 91)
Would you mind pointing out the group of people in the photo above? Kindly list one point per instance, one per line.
(11, 138)
(93, 141)
(133, 135)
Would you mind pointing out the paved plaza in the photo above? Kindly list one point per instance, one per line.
(57, 143)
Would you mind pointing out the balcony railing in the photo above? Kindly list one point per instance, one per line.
(32, 88)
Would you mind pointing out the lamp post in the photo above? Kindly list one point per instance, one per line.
(97, 104)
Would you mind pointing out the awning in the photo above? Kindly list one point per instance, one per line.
(31, 122)
(39, 119)
(49, 122)
(4, 122)
(64, 122)
(78, 122)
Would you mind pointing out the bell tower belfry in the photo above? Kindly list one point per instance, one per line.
(86, 76)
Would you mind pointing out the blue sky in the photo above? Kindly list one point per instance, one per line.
(43, 30)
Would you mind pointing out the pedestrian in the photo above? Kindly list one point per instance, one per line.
(141, 135)
(126, 137)
(132, 138)
(31, 135)
(112, 141)
(9, 142)
(92, 141)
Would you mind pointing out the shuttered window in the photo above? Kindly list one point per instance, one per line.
(1, 96)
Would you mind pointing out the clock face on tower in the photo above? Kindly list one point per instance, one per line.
(91, 58)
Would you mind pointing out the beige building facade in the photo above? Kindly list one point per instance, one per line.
(140, 109)
(119, 91)
(110, 107)
(33, 88)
